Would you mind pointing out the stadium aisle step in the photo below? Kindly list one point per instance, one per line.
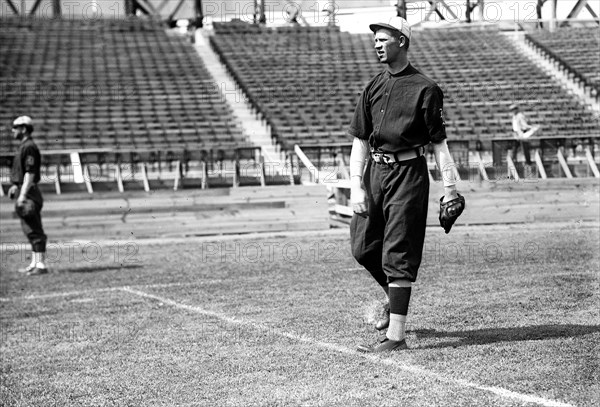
(255, 129)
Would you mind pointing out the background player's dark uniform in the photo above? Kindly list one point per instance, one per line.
(28, 159)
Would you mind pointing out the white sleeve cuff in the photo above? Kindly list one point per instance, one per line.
(445, 164)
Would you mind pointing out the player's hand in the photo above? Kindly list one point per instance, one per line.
(21, 200)
(13, 191)
(358, 198)
(450, 193)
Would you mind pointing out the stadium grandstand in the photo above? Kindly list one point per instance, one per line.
(574, 48)
(122, 84)
(149, 83)
(310, 93)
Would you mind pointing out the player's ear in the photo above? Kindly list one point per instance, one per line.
(401, 41)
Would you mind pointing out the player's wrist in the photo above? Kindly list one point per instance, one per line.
(450, 193)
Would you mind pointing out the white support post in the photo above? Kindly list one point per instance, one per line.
(177, 175)
(2, 193)
(236, 181)
(204, 180)
(57, 180)
(540, 164)
(591, 162)
(308, 164)
(145, 178)
(261, 169)
(119, 177)
(512, 170)
(291, 164)
(481, 166)
(563, 163)
(87, 180)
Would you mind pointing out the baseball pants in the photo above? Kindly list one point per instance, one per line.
(389, 241)
(30, 214)
(526, 150)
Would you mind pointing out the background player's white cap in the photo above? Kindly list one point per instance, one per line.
(23, 121)
(395, 24)
(514, 106)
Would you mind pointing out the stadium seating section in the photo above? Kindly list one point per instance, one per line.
(306, 81)
(574, 48)
(129, 85)
(111, 84)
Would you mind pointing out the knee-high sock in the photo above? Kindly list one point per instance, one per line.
(399, 299)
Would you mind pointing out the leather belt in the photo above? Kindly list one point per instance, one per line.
(397, 157)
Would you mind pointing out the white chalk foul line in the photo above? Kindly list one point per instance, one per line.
(92, 291)
(499, 391)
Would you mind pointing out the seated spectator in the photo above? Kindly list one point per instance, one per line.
(522, 131)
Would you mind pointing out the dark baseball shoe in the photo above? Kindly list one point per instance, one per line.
(384, 322)
(37, 271)
(387, 345)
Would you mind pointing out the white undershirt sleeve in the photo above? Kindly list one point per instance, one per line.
(445, 163)
(358, 157)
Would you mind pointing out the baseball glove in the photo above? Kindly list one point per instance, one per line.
(26, 209)
(450, 211)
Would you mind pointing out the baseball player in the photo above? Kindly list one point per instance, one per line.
(399, 113)
(24, 177)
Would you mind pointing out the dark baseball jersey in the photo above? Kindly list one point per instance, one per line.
(399, 112)
(27, 159)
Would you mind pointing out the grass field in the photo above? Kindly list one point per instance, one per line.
(500, 316)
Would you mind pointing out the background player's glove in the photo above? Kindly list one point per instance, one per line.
(25, 209)
(13, 192)
(450, 211)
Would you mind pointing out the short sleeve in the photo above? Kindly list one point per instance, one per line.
(362, 123)
(31, 160)
(433, 111)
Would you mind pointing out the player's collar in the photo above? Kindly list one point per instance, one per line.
(408, 69)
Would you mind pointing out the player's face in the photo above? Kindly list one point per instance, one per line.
(18, 132)
(387, 46)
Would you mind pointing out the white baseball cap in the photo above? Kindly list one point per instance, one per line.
(395, 24)
(23, 121)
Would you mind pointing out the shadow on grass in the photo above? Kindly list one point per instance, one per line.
(494, 335)
(99, 268)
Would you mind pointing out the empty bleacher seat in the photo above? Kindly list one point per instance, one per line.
(108, 84)
(306, 80)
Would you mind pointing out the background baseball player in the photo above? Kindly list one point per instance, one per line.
(399, 112)
(24, 176)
